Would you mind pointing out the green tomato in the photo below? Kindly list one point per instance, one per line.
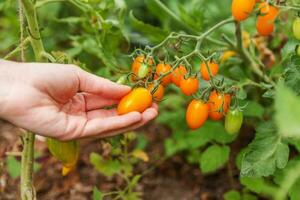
(233, 121)
(296, 28)
(143, 71)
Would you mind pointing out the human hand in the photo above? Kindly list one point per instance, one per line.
(64, 102)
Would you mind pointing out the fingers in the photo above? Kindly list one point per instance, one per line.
(93, 84)
(94, 101)
(101, 113)
(99, 125)
(147, 116)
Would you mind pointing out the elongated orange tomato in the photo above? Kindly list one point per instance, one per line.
(178, 74)
(162, 68)
(139, 99)
(218, 105)
(265, 22)
(241, 9)
(214, 69)
(196, 114)
(159, 92)
(189, 86)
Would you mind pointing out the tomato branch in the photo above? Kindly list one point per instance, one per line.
(23, 45)
(247, 57)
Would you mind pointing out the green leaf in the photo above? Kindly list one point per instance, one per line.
(155, 34)
(216, 132)
(107, 167)
(239, 158)
(241, 94)
(247, 196)
(254, 109)
(13, 166)
(258, 185)
(213, 158)
(289, 48)
(292, 74)
(289, 179)
(97, 194)
(287, 106)
(232, 195)
(265, 153)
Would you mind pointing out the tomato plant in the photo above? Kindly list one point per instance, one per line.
(219, 55)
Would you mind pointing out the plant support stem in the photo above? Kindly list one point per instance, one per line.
(27, 188)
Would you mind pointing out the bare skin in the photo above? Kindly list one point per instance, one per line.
(64, 102)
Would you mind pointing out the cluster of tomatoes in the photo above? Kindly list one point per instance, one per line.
(267, 13)
(161, 75)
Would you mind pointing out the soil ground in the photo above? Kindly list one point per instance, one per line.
(172, 179)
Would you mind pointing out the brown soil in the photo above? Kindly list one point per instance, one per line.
(172, 179)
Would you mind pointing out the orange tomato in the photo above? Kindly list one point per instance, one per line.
(139, 99)
(241, 9)
(159, 93)
(189, 86)
(217, 102)
(265, 22)
(264, 28)
(136, 64)
(162, 68)
(178, 74)
(214, 68)
(196, 113)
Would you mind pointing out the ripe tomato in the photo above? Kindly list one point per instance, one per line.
(296, 28)
(139, 99)
(264, 28)
(214, 68)
(178, 74)
(189, 86)
(138, 63)
(159, 93)
(226, 55)
(162, 68)
(196, 113)
(241, 9)
(217, 102)
(233, 121)
(265, 22)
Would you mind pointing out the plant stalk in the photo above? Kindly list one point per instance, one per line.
(27, 188)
